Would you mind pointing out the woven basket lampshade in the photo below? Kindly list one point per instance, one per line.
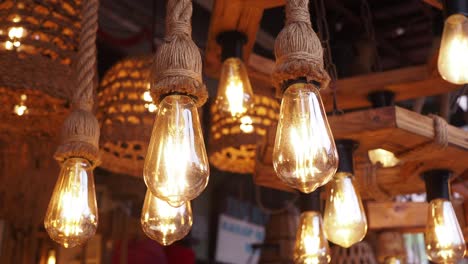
(233, 141)
(126, 113)
(38, 42)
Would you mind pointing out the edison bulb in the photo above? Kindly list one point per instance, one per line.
(176, 166)
(311, 245)
(51, 258)
(235, 94)
(344, 219)
(444, 238)
(71, 218)
(164, 223)
(304, 155)
(453, 53)
(384, 157)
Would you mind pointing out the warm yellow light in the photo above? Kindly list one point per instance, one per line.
(453, 52)
(384, 157)
(21, 109)
(235, 95)
(15, 34)
(150, 105)
(51, 258)
(246, 124)
(311, 245)
(176, 166)
(164, 223)
(147, 96)
(71, 218)
(344, 220)
(304, 155)
(444, 238)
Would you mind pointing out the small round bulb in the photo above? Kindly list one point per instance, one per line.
(235, 94)
(344, 219)
(71, 218)
(176, 167)
(453, 53)
(164, 223)
(311, 243)
(304, 155)
(443, 238)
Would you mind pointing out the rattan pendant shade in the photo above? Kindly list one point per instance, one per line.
(38, 42)
(126, 114)
(233, 141)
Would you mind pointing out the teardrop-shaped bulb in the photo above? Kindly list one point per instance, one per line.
(311, 243)
(176, 166)
(304, 155)
(443, 238)
(453, 52)
(164, 223)
(344, 219)
(235, 94)
(71, 218)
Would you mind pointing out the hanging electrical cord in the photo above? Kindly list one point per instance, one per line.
(366, 16)
(324, 35)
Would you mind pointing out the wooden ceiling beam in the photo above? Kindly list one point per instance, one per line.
(435, 3)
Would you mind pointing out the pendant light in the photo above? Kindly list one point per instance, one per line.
(380, 155)
(453, 53)
(71, 218)
(443, 238)
(345, 221)
(304, 154)
(311, 242)
(235, 96)
(176, 166)
(164, 223)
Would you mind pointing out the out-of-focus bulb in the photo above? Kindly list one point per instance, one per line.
(393, 260)
(304, 155)
(176, 166)
(311, 245)
(453, 53)
(246, 124)
(21, 109)
(344, 219)
(71, 218)
(149, 105)
(384, 157)
(164, 223)
(235, 94)
(51, 258)
(444, 238)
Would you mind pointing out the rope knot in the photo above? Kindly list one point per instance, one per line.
(179, 28)
(297, 15)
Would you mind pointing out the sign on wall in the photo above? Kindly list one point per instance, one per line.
(235, 239)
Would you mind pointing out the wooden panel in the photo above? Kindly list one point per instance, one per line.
(434, 3)
(382, 215)
(406, 83)
(394, 129)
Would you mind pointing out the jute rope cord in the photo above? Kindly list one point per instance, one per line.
(177, 65)
(439, 142)
(80, 133)
(298, 50)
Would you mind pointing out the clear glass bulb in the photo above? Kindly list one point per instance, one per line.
(176, 166)
(235, 94)
(384, 157)
(304, 155)
(344, 219)
(51, 258)
(453, 52)
(164, 223)
(311, 245)
(71, 218)
(444, 238)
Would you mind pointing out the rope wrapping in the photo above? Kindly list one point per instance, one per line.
(298, 50)
(177, 66)
(80, 132)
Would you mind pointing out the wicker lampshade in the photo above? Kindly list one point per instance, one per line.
(38, 42)
(126, 113)
(233, 141)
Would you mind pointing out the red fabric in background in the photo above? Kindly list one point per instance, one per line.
(177, 254)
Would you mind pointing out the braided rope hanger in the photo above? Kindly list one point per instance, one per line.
(177, 65)
(298, 50)
(80, 132)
